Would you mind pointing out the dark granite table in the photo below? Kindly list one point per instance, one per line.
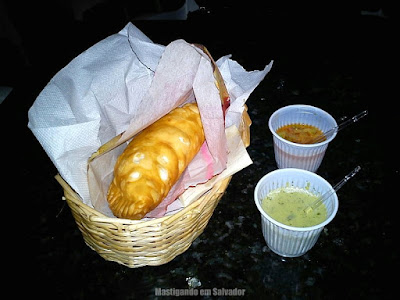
(341, 69)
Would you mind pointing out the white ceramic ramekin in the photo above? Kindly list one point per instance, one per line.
(289, 241)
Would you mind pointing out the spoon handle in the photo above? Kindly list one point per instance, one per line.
(337, 186)
(342, 125)
(346, 178)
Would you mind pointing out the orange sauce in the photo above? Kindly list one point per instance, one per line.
(300, 133)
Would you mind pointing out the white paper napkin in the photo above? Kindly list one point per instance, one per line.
(104, 91)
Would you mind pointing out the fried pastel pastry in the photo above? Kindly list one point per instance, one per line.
(153, 162)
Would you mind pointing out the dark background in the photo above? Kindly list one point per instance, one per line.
(33, 33)
(334, 56)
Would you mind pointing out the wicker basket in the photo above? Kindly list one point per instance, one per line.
(141, 243)
(136, 243)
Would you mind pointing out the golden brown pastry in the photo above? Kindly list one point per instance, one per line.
(153, 162)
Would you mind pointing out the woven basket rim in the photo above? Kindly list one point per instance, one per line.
(97, 216)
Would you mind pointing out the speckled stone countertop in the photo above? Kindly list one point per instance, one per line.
(338, 72)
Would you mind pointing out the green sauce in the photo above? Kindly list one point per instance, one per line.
(286, 205)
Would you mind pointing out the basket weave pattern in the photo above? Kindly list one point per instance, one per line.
(139, 243)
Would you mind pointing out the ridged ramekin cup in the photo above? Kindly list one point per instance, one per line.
(285, 240)
(294, 155)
